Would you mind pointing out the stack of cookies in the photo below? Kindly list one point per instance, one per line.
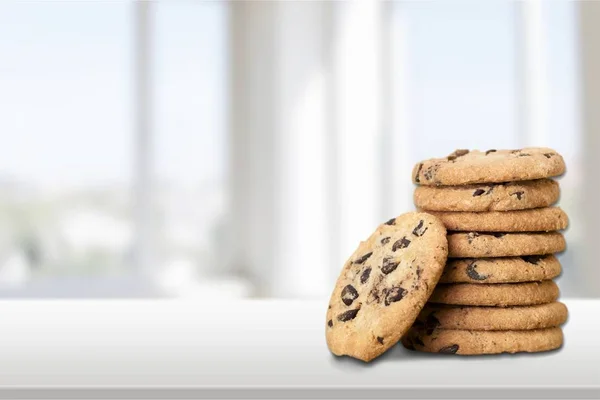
(496, 293)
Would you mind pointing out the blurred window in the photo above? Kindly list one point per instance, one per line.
(65, 121)
(67, 154)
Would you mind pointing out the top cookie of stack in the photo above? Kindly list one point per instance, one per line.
(477, 181)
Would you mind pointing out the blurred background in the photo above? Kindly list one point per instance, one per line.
(243, 149)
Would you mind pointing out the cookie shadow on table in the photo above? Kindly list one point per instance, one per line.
(400, 354)
(396, 354)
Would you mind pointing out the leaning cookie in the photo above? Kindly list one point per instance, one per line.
(384, 285)
(535, 220)
(439, 316)
(501, 270)
(482, 342)
(464, 167)
(488, 197)
(497, 294)
(475, 244)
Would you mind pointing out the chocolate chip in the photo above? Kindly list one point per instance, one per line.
(394, 294)
(432, 322)
(409, 346)
(429, 172)
(330, 323)
(385, 240)
(364, 277)
(401, 244)
(518, 194)
(419, 231)
(515, 151)
(418, 324)
(478, 192)
(549, 155)
(456, 154)
(449, 349)
(490, 151)
(419, 271)
(373, 296)
(363, 258)
(418, 341)
(329, 307)
(524, 155)
(471, 236)
(532, 259)
(349, 294)
(348, 315)
(473, 274)
(380, 339)
(417, 179)
(389, 265)
(391, 222)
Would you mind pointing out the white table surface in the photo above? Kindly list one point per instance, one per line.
(259, 349)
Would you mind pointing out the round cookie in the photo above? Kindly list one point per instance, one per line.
(384, 285)
(464, 167)
(534, 220)
(438, 316)
(491, 197)
(497, 294)
(475, 244)
(466, 342)
(501, 270)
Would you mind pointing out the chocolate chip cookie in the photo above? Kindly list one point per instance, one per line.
(476, 244)
(384, 285)
(534, 220)
(439, 316)
(488, 197)
(501, 270)
(448, 341)
(464, 167)
(497, 294)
